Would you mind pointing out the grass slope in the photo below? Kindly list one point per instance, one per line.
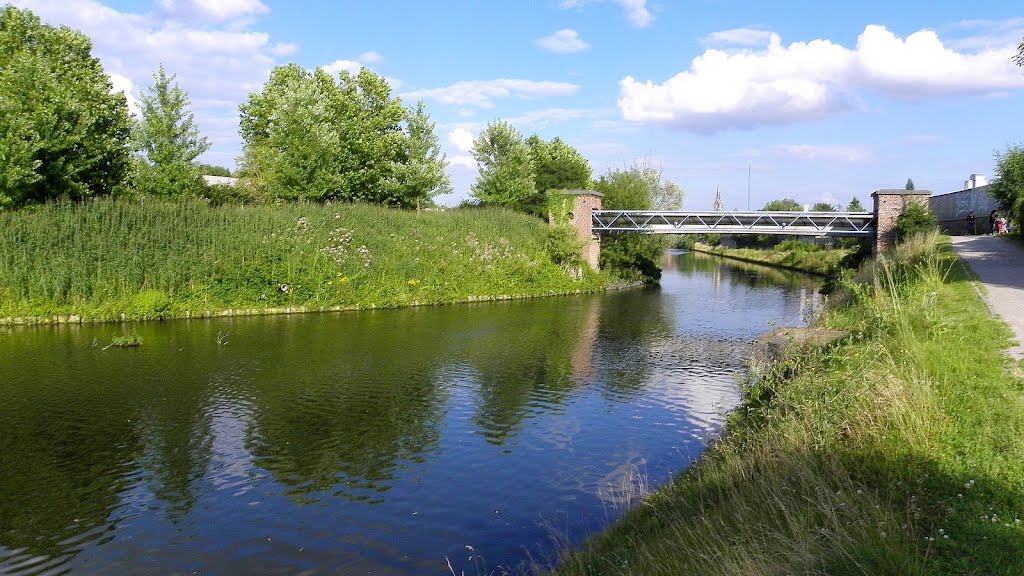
(156, 259)
(899, 451)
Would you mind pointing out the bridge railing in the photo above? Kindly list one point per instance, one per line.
(849, 224)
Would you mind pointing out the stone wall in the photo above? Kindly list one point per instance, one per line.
(889, 204)
(951, 209)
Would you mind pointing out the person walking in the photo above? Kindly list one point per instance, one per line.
(992, 218)
(969, 225)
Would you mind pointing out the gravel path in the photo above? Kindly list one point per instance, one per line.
(999, 264)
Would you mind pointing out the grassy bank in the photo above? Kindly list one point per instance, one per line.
(109, 259)
(898, 451)
(792, 255)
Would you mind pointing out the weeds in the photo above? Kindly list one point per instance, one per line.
(897, 452)
(151, 259)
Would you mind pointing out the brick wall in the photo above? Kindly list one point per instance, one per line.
(584, 202)
(889, 204)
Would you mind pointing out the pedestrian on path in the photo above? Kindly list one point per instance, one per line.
(969, 225)
(992, 222)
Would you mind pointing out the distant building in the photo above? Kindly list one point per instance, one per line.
(220, 180)
(718, 200)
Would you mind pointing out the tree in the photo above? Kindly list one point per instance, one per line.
(310, 136)
(823, 207)
(1008, 185)
(557, 166)
(910, 184)
(636, 256)
(214, 170)
(506, 173)
(914, 220)
(423, 175)
(855, 205)
(784, 205)
(169, 140)
(1019, 58)
(62, 131)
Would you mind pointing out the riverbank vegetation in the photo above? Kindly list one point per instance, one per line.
(791, 254)
(156, 258)
(897, 451)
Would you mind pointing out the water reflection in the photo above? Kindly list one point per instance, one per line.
(376, 442)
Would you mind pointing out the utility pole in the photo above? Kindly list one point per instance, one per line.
(748, 187)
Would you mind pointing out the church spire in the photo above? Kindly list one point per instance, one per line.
(718, 200)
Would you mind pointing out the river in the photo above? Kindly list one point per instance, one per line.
(381, 442)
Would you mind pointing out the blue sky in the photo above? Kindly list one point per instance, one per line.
(822, 101)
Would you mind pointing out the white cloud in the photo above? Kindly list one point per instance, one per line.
(461, 139)
(481, 93)
(462, 161)
(824, 152)
(127, 87)
(350, 66)
(284, 49)
(636, 10)
(213, 10)
(740, 37)
(370, 57)
(809, 80)
(545, 117)
(563, 42)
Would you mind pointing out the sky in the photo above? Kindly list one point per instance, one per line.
(815, 101)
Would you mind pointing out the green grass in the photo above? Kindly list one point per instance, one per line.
(898, 451)
(120, 259)
(794, 255)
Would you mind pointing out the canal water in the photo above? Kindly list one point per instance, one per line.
(382, 442)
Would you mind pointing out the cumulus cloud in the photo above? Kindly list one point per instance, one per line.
(636, 10)
(370, 57)
(481, 93)
(213, 10)
(461, 139)
(350, 66)
(808, 80)
(563, 42)
(740, 37)
(124, 85)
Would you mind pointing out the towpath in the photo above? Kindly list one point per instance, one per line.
(999, 264)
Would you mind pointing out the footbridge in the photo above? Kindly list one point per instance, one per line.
(583, 211)
(817, 224)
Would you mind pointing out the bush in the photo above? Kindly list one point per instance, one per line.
(916, 219)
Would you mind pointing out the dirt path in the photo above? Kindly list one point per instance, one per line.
(999, 264)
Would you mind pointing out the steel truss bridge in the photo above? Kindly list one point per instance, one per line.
(841, 224)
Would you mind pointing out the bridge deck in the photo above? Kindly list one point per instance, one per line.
(855, 224)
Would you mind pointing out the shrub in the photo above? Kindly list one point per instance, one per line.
(914, 220)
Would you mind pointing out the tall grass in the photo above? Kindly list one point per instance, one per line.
(899, 451)
(154, 258)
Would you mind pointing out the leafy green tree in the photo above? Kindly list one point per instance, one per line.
(1008, 185)
(915, 219)
(557, 166)
(214, 170)
(784, 205)
(636, 256)
(169, 140)
(506, 172)
(910, 184)
(855, 205)
(823, 207)
(309, 136)
(422, 176)
(62, 131)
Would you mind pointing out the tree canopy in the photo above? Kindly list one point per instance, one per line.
(1019, 58)
(784, 205)
(62, 130)
(823, 207)
(855, 205)
(910, 184)
(505, 168)
(1008, 185)
(557, 166)
(310, 136)
(169, 140)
